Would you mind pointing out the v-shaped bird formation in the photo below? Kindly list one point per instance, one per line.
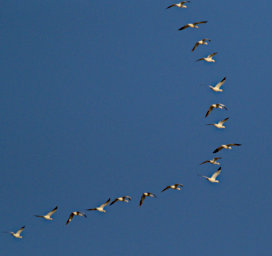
(177, 186)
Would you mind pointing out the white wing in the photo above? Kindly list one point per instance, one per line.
(214, 176)
(223, 121)
(221, 83)
(20, 230)
(52, 212)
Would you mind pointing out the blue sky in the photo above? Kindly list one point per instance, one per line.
(104, 99)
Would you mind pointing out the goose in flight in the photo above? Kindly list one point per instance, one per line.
(226, 146)
(75, 214)
(175, 186)
(122, 199)
(218, 105)
(213, 161)
(179, 5)
(18, 233)
(203, 41)
(144, 195)
(101, 207)
(213, 179)
(48, 215)
(217, 87)
(220, 123)
(192, 25)
(208, 58)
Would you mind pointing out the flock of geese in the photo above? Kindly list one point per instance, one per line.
(219, 125)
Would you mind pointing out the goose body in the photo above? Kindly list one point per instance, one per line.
(18, 233)
(175, 187)
(217, 105)
(144, 195)
(192, 25)
(212, 161)
(77, 213)
(226, 146)
(122, 199)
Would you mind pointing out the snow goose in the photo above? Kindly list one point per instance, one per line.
(48, 215)
(75, 214)
(18, 233)
(101, 207)
(192, 25)
(203, 41)
(144, 195)
(217, 105)
(179, 5)
(175, 186)
(217, 87)
(213, 161)
(122, 199)
(226, 146)
(208, 58)
(213, 179)
(220, 123)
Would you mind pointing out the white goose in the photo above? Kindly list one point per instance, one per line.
(101, 207)
(175, 186)
(220, 123)
(18, 233)
(217, 105)
(217, 87)
(144, 195)
(77, 213)
(213, 179)
(226, 146)
(179, 5)
(208, 58)
(122, 199)
(48, 215)
(213, 161)
(203, 41)
(192, 25)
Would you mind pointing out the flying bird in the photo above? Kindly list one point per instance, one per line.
(18, 233)
(213, 161)
(220, 123)
(75, 214)
(122, 199)
(213, 179)
(192, 25)
(203, 41)
(226, 146)
(175, 186)
(179, 5)
(48, 215)
(144, 195)
(208, 58)
(218, 105)
(217, 87)
(101, 207)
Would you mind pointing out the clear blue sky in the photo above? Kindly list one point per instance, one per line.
(104, 98)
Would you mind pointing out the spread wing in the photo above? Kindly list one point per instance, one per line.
(70, 218)
(196, 45)
(142, 199)
(216, 158)
(114, 201)
(172, 5)
(200, 59)
(205, 162)
(211, 55)
(221, 83)
(214, 176)
(20, 230)
(234, 144)
(53, 211)
(184, 27)
(209, 110)
(165, 188)
(200, 22)
(218, 149)
(223, 121)
(105, 204)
